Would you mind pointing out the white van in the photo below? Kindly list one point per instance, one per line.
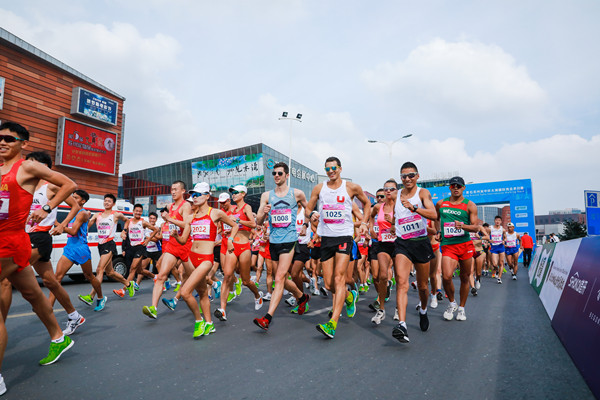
(94, 206)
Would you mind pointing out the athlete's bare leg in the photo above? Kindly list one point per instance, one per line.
(448, 267)
(197, 281)
(380, 276)
(334, 275)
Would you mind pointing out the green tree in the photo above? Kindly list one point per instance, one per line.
(573, 230)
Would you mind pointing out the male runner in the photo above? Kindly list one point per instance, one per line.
(512, 245)
(412, 246)
(19, 178)
(173, 251)
(281, 205)
(497, 237)
(135, 228)
(335, 199)
(153, 247)
(457, 217)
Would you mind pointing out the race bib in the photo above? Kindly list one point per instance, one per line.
(474, 236)
(4, 202)
(376, 228)
(226, 229)
(281, 217)
(496, 238)
(412, 227)
(103, 230)
(511, 243)
(388, 237)
(174, 227)
(136, 234)
(201, 229)
(450, 230)
(333, 213)
(166, 234)
(70, 226)
(152, 246)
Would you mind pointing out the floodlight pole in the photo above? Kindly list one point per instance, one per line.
(390, 145)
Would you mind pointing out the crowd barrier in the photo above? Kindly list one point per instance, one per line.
(566, 276)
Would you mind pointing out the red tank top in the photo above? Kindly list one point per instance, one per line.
(204, 228)
(175, 215)
(243, 217)
(15, 202)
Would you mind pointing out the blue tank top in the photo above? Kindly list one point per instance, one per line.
(81, 237)
(282, 217)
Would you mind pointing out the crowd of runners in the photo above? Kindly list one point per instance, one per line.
(317, 244)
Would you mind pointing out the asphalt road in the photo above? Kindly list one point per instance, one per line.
(505, 350)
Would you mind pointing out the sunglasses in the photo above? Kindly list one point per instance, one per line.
(236, 192)
(10, 139)
(410, 175)
(389, 189)
(380, 196)
(455, 186)
(196, 194)
(279, 173)
(334, 168)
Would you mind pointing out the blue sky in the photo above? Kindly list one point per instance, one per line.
(494, 90)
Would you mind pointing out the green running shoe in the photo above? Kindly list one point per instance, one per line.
(199, 328)
(56, 350)
(394, 281)
(150, 311)
(131, 288)
(369, 281)
(327, 329)
(295, 309)
(87, 299)
(238, 287)
(351, 304)
(231, 297)
(177, 287)
(209, 327)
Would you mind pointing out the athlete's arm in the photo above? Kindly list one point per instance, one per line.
(92, 220)
(81, 219)
(484, 233)
(437, 223)
(187, 228)
(312, 203)
(224, 218)
(356, 191)
(125, 227)
(473, 218)
(155, 230)
(300, 198)
(428, 210)
(248, 211)
(263, 209)
(75, 207)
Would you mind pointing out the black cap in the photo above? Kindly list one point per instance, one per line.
(457, 180)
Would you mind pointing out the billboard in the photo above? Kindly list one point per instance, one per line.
(163, 201)
(223, 173)
(516, 192)
(85, 147)
(592, 210)
(92, 105)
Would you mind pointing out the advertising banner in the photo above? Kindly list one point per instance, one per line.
(92, 105)
(2, 82)
(558, 272)
(85, 147)
(577, 316)
(223, 173)
(163, 201)
(592, 211)
(145, 202)
(540, 269)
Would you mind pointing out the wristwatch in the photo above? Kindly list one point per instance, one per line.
(46, 208)
(415, 207)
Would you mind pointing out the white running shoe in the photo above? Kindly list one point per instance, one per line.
(258, 303)
(2, 386)
(514, 277)
(316, 292)
(460, 315)
(433, 302)
(396, 318)
(312, 285)
(291, 301)
(477, 285)
(267, 296)
(499, 281)
(379, 316)
(449, 313)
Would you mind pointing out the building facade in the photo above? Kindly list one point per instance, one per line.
(76, 120)
(250, 166)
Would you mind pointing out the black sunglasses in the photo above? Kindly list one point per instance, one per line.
(10, 139)
(280, 173)
(380, 196)
(410, 175)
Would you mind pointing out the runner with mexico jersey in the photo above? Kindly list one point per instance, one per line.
(335, 199)
(457, 217)
(412, 246)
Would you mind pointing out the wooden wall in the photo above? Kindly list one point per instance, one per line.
(36, 95)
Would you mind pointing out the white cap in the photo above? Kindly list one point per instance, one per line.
(223, 197)
(190, 199)
(201, 187)
(510, 224)
(239, 188)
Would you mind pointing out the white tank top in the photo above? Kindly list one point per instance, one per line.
(335, 212)
(151, 246)
(410, 225)
(136, 233)
(299, 224)
(40, 199)
(511, 239)
(496, 235)
(106, 227)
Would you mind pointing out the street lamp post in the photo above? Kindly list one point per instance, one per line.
(390, 145)
(298, 118)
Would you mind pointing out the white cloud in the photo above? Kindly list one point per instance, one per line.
(465, 83)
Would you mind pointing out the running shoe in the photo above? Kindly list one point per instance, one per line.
(439, 295)
(199, 328)
(238, 287)
(220, 314)
(351, 304)
(379, 316)
(316, 292)
(449, 313)
(477, 284)
(231, 297)
(423, 322)
(474, 291)
(394, 281)
(323, 291)
(460, 315)
(493, 275)
(150, 311)
(514, 278)
(413, 284)
(2, 386)
(87, 299)
(433, 301)
(291, 301)
(262, 323)
(412, 272)
(370, 281)
(209, 328)
(499, 281)
(267, 297)
(217, 289)
(72, 324)
(396, 317)
(302, 306)
(167, 284)
(101, 303)
(311, 285)
(177, 287)
(136, 287)
(327, 329)
(374, 306)
(131, 288)
(258, 303)
(389, 291)
(170, 303)
(120, 292)
(56, 350)
(400, 333)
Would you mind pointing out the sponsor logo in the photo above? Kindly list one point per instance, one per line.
(451, 211)
(521, 215)
(577, 284)
(342, 247)
(521, 208)
(521, 224)
(340, 199)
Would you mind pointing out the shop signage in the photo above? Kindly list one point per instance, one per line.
(91, 105)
